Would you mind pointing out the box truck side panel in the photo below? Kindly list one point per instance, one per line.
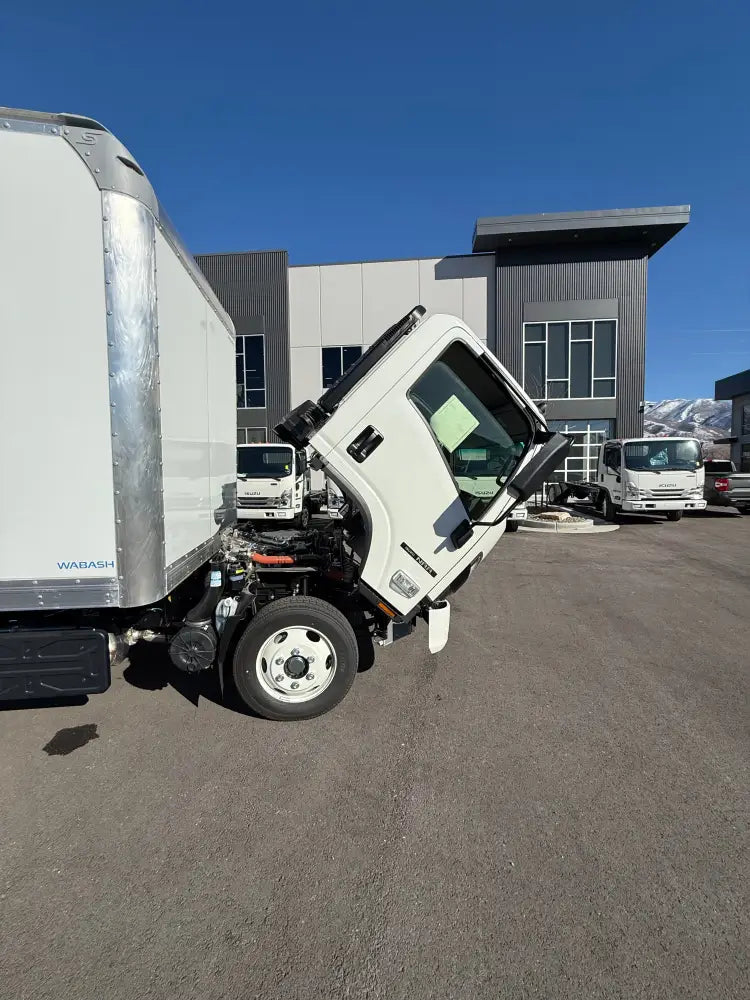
(222, 414)
(188, 516)
(56, 503)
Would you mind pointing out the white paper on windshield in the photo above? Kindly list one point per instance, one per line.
(452, 423)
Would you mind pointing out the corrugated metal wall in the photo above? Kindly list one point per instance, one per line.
(612, 273)
(253, 287)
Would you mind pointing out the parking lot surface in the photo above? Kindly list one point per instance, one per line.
(555, 806)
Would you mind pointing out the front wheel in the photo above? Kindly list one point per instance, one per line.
(296, 659)
(674, 515)
(302, 520)
(511, 525)
(608, 509)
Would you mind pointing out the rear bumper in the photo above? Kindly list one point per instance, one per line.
(53, 663)
(634, 506)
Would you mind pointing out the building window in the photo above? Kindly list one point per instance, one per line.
(570, 360)
(745, 419)
(337, 360)
(745, 458)
(251, 371)
(582, 459)
(251, 435)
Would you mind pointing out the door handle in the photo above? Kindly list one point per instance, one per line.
(364, 444)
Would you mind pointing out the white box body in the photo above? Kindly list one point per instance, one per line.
(118, 426)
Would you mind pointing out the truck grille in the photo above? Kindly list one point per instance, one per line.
(256, 502)
(667, 494)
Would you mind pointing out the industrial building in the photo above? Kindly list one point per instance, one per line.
(737, 389)
(559, 298)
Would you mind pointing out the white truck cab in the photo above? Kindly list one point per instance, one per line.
(273, 484)
(651, 475)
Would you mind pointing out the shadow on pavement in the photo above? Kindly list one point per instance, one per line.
(150, 669)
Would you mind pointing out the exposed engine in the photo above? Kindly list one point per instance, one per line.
(270, 564)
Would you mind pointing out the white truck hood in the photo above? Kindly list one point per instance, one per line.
(668, 480)
(251, 487)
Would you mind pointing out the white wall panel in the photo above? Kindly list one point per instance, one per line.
(439, 295)
(341, 304)
(306, 374)
(389, 290)
(304, 307)
(479, 297)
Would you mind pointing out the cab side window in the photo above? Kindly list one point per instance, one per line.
(612, 458)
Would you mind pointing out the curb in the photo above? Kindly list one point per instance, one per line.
(588, 527)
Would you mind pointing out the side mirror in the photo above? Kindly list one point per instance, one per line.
(527, 481)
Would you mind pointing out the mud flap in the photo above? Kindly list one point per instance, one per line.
(438, 623)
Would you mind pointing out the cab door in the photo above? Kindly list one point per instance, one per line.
(392, 446)
(610, 475)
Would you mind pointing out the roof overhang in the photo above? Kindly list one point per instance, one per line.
(733, 385)
(649, 228)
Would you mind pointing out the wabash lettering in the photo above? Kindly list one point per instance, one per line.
(87, 564)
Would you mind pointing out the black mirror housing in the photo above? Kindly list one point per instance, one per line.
(527, 481)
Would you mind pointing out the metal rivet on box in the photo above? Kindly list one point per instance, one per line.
(88, 152)
(66, 131)
(97, 170)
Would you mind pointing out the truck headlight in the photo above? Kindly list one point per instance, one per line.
(403, 584)
(696, 494)
(285, 498)
(632, 490)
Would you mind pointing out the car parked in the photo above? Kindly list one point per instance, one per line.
(725, 487)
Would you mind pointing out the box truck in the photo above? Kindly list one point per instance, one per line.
(273, 484)
(117, 449)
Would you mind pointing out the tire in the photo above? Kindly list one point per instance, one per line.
(303, 518)
(674, 515)
(609, 510)
(744, 510)
(335, 648)
(511, 525)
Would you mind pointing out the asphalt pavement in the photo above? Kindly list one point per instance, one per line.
(554, 806)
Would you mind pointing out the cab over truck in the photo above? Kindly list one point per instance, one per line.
(123, 361)
(652, 475)
(273, 484)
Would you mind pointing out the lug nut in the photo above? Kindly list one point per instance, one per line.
(311, 659)
(311, 677)
(295, 652)
(279, 678)
(295, 685)
(279, 660)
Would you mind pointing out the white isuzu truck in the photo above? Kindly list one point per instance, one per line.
(273, 484)
(650, 475)
(117, 363)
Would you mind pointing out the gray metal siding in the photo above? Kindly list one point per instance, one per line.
(544, 277)
(253, 287)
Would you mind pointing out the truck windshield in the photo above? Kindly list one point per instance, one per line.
(658, 455)
(481, 431)
(268, 462)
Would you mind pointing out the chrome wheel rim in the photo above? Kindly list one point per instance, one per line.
(295, 664)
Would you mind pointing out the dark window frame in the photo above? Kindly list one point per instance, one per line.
(243, 392)
(537, 334)
(329, 380)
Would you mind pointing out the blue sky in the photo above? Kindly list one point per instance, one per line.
(342, 131)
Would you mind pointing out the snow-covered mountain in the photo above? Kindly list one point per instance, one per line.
(705, 419)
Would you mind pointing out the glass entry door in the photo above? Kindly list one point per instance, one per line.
(588, 436)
